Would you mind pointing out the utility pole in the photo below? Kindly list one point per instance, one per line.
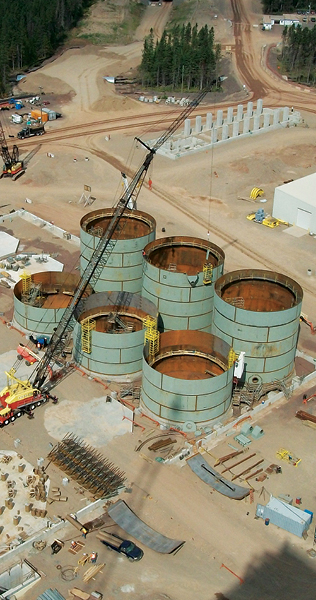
(41, 90)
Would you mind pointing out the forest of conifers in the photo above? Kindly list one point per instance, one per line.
(185, 58)
(298, 57)
(281, 7)
(32, 30)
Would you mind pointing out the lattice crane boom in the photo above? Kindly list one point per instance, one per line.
(102, 253)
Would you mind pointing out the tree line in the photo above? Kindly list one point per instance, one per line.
(32, 30)
(185, 58)
(298, 58)
(279, 7)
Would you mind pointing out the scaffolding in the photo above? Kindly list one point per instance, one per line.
(207, 273)
(86, 327)
(26, 283)
(151, 336)
(31, 292)
(232, 357)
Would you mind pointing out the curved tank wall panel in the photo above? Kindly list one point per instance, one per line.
(174, 281)
(258, 312)
(123, 270)
(188, 383)
(40, 309)
(117, 339)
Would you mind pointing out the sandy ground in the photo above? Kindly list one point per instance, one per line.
(189, 197)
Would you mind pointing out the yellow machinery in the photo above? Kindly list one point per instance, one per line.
(255, 193)
(289, 457)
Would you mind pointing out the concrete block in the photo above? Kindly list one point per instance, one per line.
(187, 127)
(276, 116)
(240, 111)
(249, 109)
(219, 118)
(246, 125)
(286, 112)
(198, 124)
(266, 120)
(230, 114)
(225, 132)
(236, 128)
(256, 122)
(209, 121)
(214, 135)
(259, 107)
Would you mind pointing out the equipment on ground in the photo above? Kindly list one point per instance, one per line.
(54, 366)
(31, 130)
(29, 356)
(263, 218)
(288, 457)
(18, 397)
(12, 167)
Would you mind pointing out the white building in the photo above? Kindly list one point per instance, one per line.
(295, 202)
(269, 21)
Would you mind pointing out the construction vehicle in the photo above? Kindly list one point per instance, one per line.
(18, 397)
(54, 365)
(114, 542)
(31, 130)
(29, 356)
(12, 166)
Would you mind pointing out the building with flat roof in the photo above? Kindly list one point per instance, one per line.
(295, 202)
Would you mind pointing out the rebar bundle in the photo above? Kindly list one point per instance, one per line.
(87, 466)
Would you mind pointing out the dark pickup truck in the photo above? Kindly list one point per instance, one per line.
(114, 542)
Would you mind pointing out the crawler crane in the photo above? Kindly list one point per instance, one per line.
(12, 165)
(51, 368)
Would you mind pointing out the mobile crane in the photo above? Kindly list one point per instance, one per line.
(51, 368)
(12, 165)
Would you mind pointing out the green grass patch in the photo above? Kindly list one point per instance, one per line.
(116, 33)
(182, 13)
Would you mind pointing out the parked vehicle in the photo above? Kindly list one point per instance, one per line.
(16, 118)
(114, 542)
(30, 131)
(29, 356)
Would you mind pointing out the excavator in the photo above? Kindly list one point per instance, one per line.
(21, 395)
(12, 165)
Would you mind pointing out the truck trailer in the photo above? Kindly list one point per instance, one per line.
(30, 131)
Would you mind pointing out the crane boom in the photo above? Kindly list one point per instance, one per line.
(102, 253)
(12, 166)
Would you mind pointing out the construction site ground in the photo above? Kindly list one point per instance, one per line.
(190, 196)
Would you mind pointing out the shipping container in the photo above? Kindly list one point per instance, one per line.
(38, 114)
(51, 113)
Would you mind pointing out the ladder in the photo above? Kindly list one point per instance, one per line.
(86, 327)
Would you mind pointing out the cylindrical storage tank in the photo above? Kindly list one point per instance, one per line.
(258, 312)
(123, 270)
(188, 383)
(40, 302)
(175, 282)
(109, 333)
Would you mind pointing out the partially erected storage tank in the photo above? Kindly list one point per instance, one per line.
(179, 277)
(123, 270)
(109, 334)
(40, 300)
(188, 383)
(258, 312)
